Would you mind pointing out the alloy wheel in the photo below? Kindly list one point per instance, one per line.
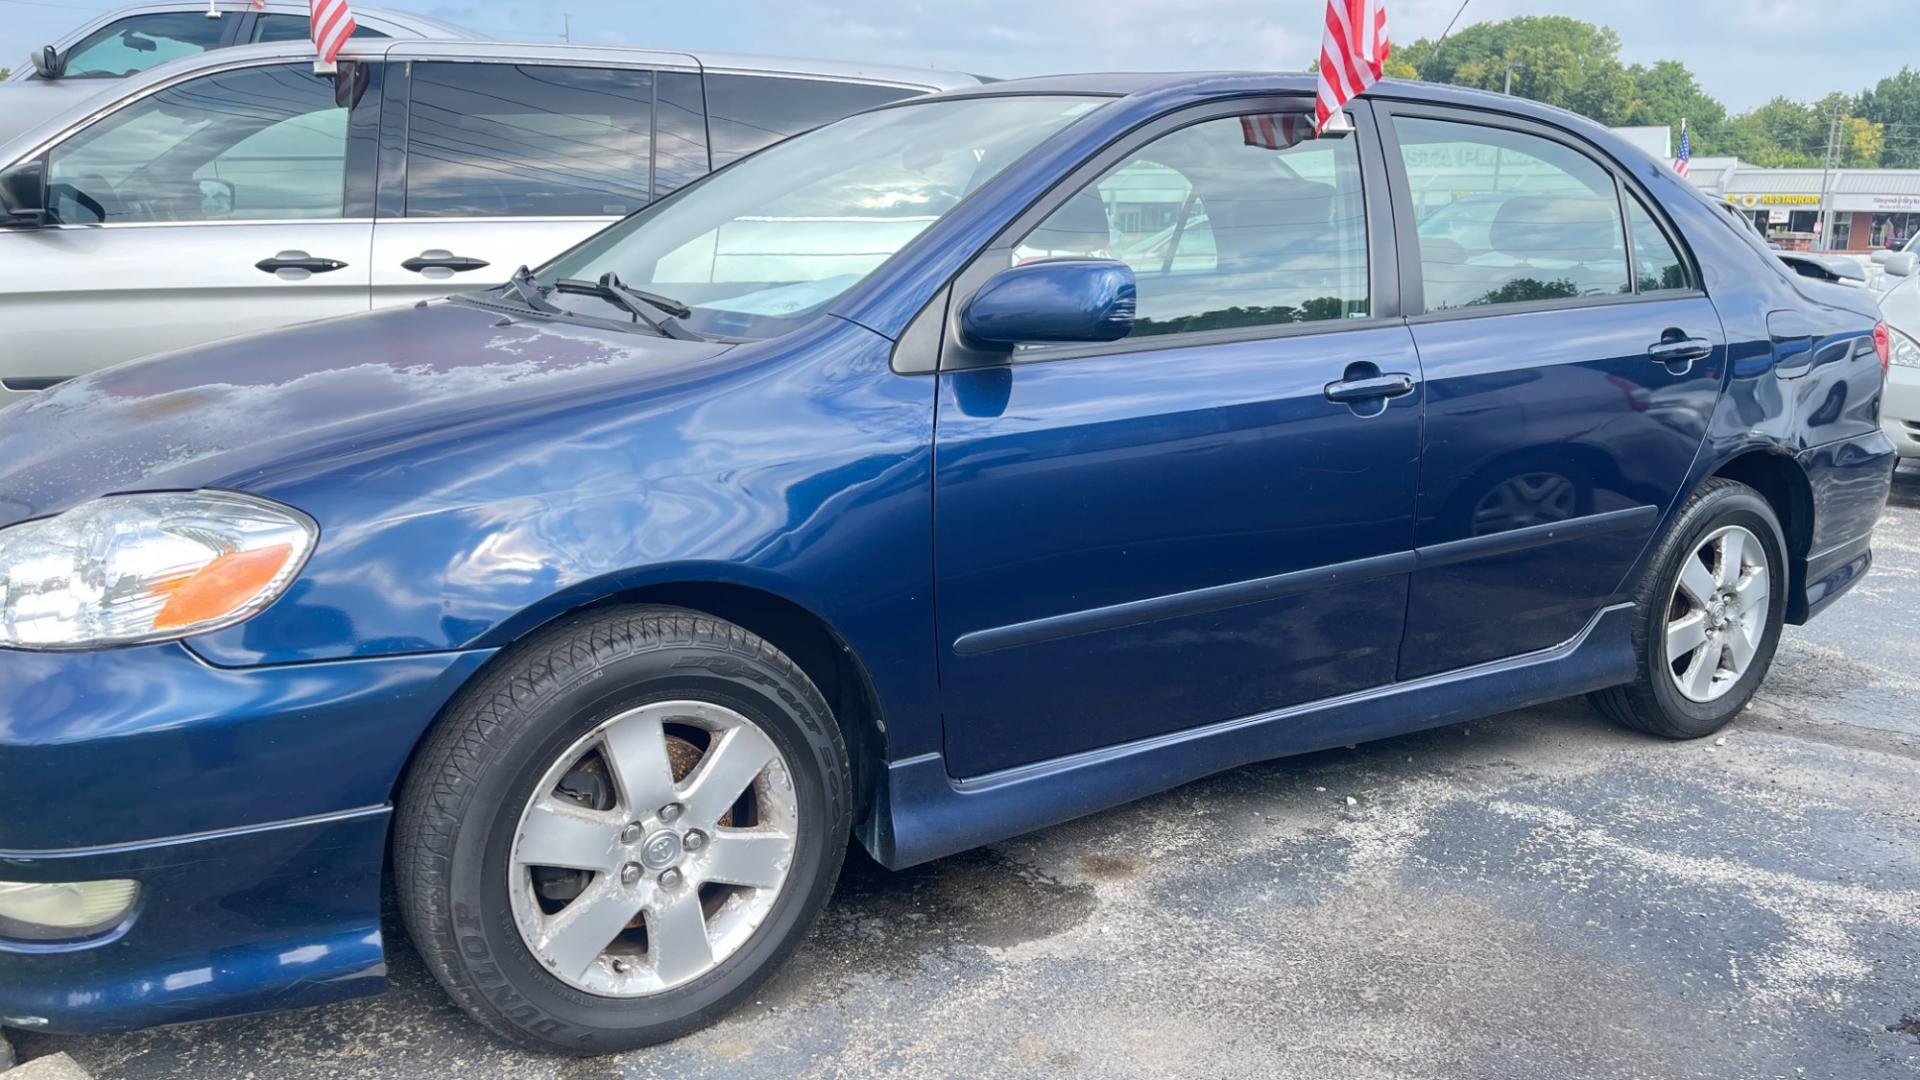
(1717, 616)
(653, 848)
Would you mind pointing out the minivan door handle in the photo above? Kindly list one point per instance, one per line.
(443, 260)
(297, 265)
(1679, 350)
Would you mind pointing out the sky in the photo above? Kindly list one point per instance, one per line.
(1744, 51)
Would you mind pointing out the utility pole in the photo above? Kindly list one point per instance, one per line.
(566, 28)
(1825, 240)
(1510, 66)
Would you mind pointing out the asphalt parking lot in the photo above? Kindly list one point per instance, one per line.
(1539, 895)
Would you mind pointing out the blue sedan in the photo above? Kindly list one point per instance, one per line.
(965, 466)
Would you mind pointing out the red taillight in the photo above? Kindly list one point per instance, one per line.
(1883, 344)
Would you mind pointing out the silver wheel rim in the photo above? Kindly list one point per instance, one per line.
(1717, 616)
(664, 887)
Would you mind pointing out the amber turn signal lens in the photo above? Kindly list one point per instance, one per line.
(221, 587)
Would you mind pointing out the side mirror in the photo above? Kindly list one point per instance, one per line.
(1879, 258)
(48, 63)
(1903, 264)
(23, 195)
(1054, 301)
(216, 198)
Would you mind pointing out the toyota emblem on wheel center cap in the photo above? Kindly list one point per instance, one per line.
(661, 850)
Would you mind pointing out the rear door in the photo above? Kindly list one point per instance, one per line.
(234, 201)
(491, 165)
(1572, 363)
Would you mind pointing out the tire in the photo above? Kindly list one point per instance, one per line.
(480, 812)
(1673, 697)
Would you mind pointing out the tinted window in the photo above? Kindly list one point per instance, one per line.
(1505, 217)
(296, 28)
(1655, 263)
(259, 143)
(134, 44)
(680, 133)
(746, 112)
(503, 140)
(1229, 223)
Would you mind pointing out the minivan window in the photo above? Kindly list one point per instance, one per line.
(1507, 217)
(747, 112)
(131, 45)
(522, 140)
(297, 28)
(261, 143)
(1237, 222)
(773, 240)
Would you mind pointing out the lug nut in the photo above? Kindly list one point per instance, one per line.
(670, 879)
(671, 812)
(694, 840)
(631, 833)
(630, 874)
(622, 966)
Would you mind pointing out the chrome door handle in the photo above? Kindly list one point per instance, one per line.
(1681, 350)
(443, 260)
(1389, 386)
(298, 260)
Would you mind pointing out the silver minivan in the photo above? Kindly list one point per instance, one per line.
(238, 190)
(112, 45)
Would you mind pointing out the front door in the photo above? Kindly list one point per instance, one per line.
(217, 206)
(508, 165)
(1571, 363)
(1186, 526)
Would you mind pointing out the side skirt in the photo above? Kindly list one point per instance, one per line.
(929, 814)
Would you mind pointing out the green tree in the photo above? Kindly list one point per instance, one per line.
(1667, 93)
(1894, 104)
(4, 72)
(1559, 60)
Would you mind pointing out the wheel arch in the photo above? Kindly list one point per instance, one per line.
(801, 633)
(1784, 484)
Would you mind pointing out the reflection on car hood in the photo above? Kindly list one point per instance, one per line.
(218, 414)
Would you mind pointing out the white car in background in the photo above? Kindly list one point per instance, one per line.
(126, 41)
(237, 190)
(1899, 288)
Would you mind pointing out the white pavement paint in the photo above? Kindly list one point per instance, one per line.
(56, 1067)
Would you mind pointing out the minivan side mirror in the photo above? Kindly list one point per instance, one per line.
(48, 63)
(1055, 301)
(23, 195)
(1903, 264)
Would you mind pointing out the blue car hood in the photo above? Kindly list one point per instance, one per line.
(216, 415)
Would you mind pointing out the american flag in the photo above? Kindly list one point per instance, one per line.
(1681, 163)
(1352, 54)
(332, 25)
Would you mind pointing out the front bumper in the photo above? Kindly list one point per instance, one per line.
(1900, 410)
(251, 805)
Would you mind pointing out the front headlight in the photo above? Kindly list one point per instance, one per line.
(1905, 352)
(136, 568)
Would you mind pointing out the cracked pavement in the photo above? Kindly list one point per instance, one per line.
(1536, 895)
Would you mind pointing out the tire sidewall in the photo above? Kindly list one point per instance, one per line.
(497, 961)
(1731, 506)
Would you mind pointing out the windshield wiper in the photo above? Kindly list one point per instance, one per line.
(525, 289)
(635, 302)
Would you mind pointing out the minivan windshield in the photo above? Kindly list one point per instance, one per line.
(755, 249)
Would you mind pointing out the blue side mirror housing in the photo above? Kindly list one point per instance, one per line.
(1053, 301)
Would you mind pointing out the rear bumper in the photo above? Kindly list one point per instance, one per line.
(1850, 479)
(251, 805)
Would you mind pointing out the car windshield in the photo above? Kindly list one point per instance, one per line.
(761, 246)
